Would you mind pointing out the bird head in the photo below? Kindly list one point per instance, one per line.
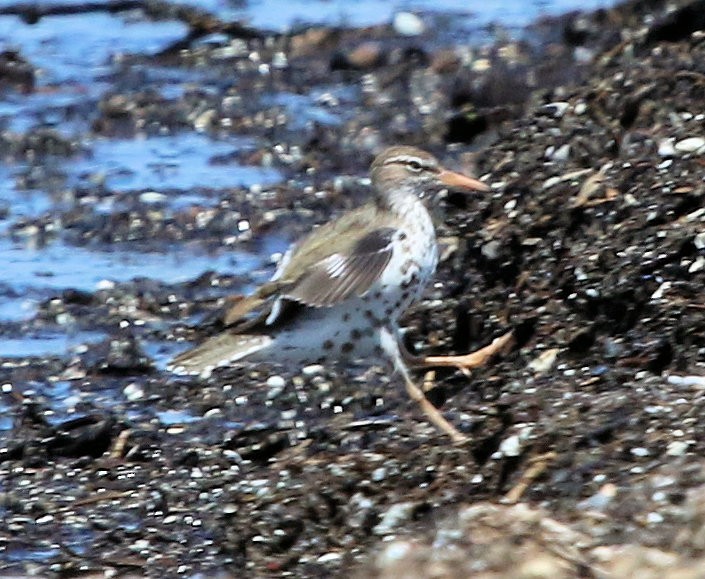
(403, 170)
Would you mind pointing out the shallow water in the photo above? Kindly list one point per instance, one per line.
(283, 14)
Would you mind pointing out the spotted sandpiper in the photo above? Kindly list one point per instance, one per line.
(339, 292)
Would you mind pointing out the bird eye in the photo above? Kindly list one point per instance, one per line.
(415, 166)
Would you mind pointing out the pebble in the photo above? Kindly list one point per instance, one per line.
(379, 474)
(562, 153)
(133, 392)
(556, 109)
(312, 370)
(677, 448)
(550, 182)
(511, 446)
(663, 288)
(491, 249)
(601, 499)
(329, 557)
(544, 361)
(691, 145)
(697, 265)
(395, 552)
(698, 381)
(395, 515)
(699, 240)
(152, 197)
(666, 148)
(276, 381)
(408, 24)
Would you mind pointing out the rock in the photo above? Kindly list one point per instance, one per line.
(408, 24)
(694, 145)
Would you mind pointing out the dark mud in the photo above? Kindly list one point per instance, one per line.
(585, 452)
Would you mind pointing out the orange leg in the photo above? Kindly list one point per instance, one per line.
(392, 346)
(464, 363)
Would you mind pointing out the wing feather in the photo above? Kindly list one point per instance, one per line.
(338, 277)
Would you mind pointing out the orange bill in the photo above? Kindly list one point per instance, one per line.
(456, 180)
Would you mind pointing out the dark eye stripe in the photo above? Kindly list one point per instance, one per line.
(413, 161)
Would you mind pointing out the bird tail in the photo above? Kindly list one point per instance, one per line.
(221, 350)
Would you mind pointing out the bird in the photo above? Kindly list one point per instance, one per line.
(339, 293)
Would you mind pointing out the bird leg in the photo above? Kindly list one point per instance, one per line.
(391, 346)
(464, 363)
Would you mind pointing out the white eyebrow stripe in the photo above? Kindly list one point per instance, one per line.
(427, 164)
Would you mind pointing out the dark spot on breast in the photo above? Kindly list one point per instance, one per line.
(347, 347)
(378, 294)
(346, 317)
(388, 311)
(328, 345)
(355, 334)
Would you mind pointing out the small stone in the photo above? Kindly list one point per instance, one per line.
(686, 381)
(379, 474)
(561, 154)
(666, 148)
(329, 557)
(276, 381)
(677, 448)
(699, 240)
(544, 361)
(133, 392)
(691, 145)
(395, 515)
(394, 553)
(550, 182)
(511, 446)
(601, 499)
(408, 24)
(556, 109)
(491, 249)
(697, 265)
(152, 197)
(663, 288)
(312, 370)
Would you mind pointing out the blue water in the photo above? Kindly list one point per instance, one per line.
(283, 14)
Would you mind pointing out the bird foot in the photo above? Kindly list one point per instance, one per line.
(466, 362)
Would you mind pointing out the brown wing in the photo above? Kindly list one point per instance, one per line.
(339, 276)
(252, 307)
(336, 261)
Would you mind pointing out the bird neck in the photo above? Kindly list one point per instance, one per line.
(401, 201)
